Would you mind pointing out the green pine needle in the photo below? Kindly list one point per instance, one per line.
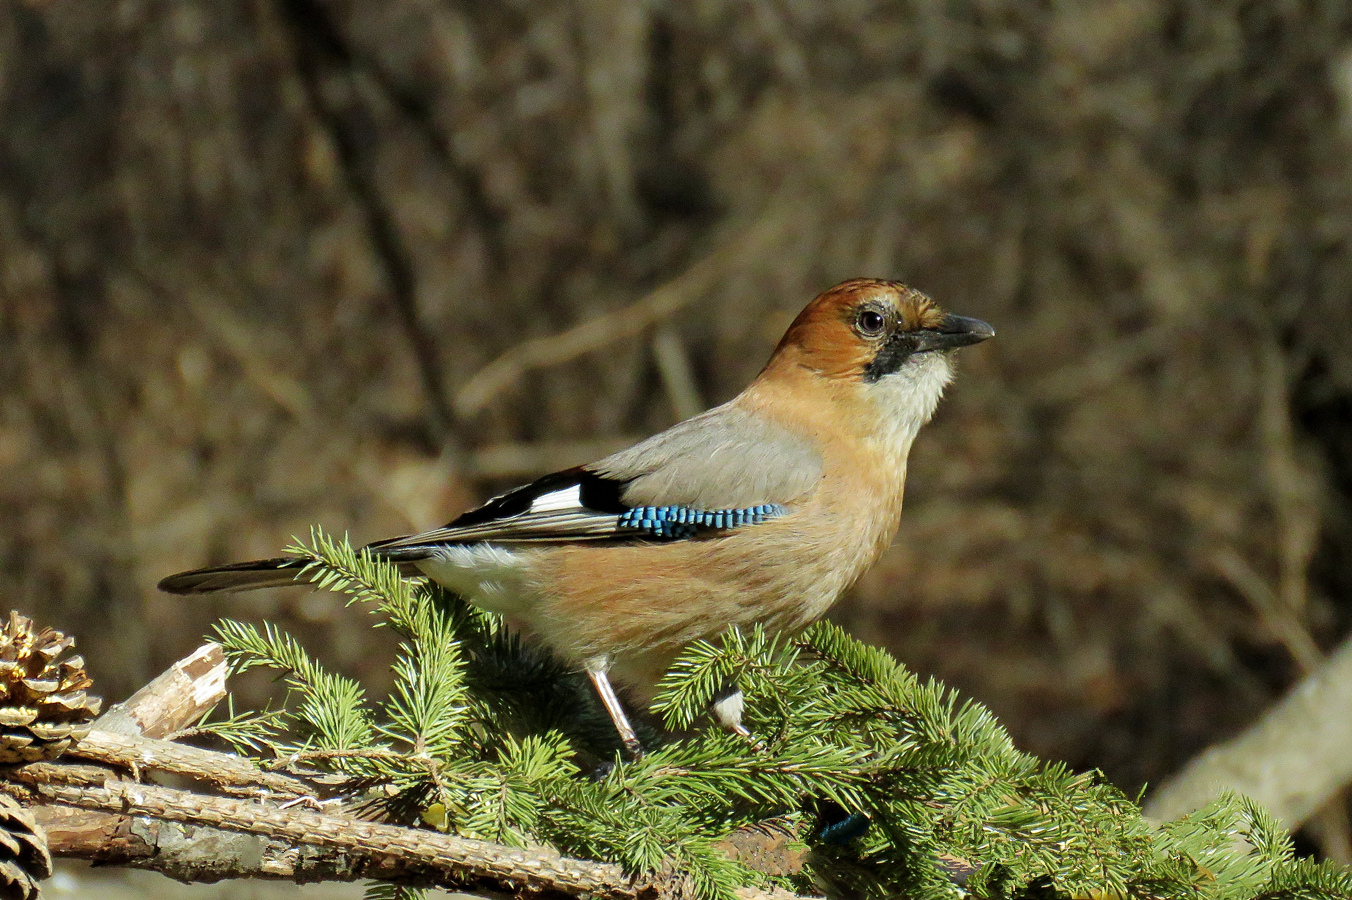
(880, 775)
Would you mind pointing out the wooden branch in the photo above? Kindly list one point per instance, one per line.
(195, 837)
(125, 737)
(1291, 761)
(220, 770)
(447, 860)
(181, 695)
(191, 853)
(194, 853)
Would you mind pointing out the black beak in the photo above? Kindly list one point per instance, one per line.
(953, 332)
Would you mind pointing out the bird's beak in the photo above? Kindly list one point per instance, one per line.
(953, 332)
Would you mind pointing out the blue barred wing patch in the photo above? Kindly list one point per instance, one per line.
(676, 522)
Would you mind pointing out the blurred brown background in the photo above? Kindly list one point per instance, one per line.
(255, 258)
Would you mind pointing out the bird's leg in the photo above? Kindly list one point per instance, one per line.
(596, 671)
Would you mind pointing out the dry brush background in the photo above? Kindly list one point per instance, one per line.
(255, 258)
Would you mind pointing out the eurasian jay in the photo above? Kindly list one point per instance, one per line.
(762, 510)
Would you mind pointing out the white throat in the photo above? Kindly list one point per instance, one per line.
(907, 398)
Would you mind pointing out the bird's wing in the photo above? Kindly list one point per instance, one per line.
(571, 505)
(722, 470)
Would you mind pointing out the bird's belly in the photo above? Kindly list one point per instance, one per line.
(639, 605)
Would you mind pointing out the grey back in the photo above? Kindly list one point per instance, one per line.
(725, 458)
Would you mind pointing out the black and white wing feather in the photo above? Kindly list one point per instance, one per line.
(573, 505)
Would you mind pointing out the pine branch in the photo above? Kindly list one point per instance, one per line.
(332, 710)
(255, 731)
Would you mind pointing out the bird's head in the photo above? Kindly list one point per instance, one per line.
(882, 340)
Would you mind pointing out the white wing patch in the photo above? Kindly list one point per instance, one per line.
(564, 498)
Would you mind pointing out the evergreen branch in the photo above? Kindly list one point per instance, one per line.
(429, 706)
(332, 712)
(387, 890)
(882, 776)
(334, 566)
(255, 731)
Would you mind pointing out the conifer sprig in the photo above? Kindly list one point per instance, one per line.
(331, 713)
(880, 776)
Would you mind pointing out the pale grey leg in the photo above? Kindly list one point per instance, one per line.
(596, 671)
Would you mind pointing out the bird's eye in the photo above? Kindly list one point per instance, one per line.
(870, 322)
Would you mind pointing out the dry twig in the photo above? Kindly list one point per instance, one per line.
(551, 350)
(1292, 761)
(201, 854)
(445, 859)
(220, 770)
(180, 695)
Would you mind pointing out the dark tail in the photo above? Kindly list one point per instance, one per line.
(244, 576)
(283, 571)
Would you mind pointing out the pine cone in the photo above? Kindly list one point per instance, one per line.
(43, 704)
(24, 858)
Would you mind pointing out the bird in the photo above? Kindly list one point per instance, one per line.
(763, 510)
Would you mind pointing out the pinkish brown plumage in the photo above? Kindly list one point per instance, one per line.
(762, 510)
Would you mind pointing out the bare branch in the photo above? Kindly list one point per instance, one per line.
(551, 350)
(201, 854)
(1292, 761)
(446, 859)
(221, 770)
(181, 695)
